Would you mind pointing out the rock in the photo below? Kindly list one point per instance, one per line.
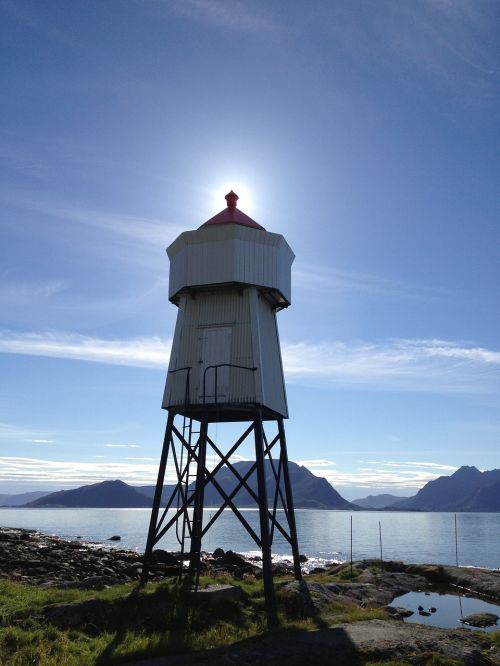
(399, 610)
(312, 597)
(302, 558)
(160, 556)
(282, 569)
(164, 570)
(423, 613)
(214, 594)
(218, 553)
(90, 583)
(231, 557)
(76, 615)
(480, 619)
(116, 537)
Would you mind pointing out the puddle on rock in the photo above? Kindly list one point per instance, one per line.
(449, 608)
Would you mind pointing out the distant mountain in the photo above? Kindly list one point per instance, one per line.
(378, 501)
(467, 489)
(309, 491)
(22, 498)
(108, 494)
(483, 499)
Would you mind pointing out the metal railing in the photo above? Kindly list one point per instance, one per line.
(216, 368)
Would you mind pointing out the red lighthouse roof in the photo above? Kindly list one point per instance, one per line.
(232, 215)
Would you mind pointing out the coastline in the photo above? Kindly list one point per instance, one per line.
(352, 617)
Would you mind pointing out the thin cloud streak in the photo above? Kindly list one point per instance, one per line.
(18, 294)
(63, 473)
(137, 352)
(336, 279)
(151, 232)
(386, 474)
(234, 16)
(435, 366)
(11, 432)
(56, 473)
(40, 441)
(377, 478)
(316, 463)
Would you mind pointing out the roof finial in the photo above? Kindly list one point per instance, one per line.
(231, 199)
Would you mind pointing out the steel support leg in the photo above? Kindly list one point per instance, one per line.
(197, 524)
(267, 571)
(157, 499)
(289, 501)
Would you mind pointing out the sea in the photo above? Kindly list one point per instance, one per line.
(324, 536)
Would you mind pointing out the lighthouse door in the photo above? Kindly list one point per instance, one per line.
(215, 350)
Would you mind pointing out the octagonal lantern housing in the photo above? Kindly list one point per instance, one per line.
(228, 278)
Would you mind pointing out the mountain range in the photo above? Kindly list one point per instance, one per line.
(309, 491)
(377, 501)
(467, 489)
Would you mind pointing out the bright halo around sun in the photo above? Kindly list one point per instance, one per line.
(245, 201)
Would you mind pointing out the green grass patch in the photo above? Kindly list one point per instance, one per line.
(113, 626)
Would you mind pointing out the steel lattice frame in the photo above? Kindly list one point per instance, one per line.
(188, 495)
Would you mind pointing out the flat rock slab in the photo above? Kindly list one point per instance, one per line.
(216, 593)
(346, 645)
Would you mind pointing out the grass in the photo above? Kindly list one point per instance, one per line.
(158, 620)
(123, 624)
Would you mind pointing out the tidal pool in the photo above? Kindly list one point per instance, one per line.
(449, 608)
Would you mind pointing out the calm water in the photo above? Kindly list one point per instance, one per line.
(449, 609)
(323, 535)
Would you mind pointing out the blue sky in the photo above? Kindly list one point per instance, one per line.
(368, 133)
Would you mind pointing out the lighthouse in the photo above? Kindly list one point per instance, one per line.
(228, 279)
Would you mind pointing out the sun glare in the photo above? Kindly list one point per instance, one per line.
(245, 201)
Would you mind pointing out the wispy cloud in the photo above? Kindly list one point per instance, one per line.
(24, 293)
(436, 366)
(341, 280)
(122, 446)
(137, 352)
(234, 15)
(396, 475)
(424, 465)
(152, 232)
(315, 463)
(72, 473)
(40, 441)
(439, 366)
(57, 473)
(447, 44)
(16, 433)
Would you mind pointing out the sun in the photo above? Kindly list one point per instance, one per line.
(245, 201)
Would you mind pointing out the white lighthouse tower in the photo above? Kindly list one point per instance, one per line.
(228, 279)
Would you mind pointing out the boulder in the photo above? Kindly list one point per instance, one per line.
(160, 556)
(480, 619)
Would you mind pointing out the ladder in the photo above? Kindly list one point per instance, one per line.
(185, 495)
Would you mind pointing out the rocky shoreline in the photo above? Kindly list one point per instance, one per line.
(32, 558)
